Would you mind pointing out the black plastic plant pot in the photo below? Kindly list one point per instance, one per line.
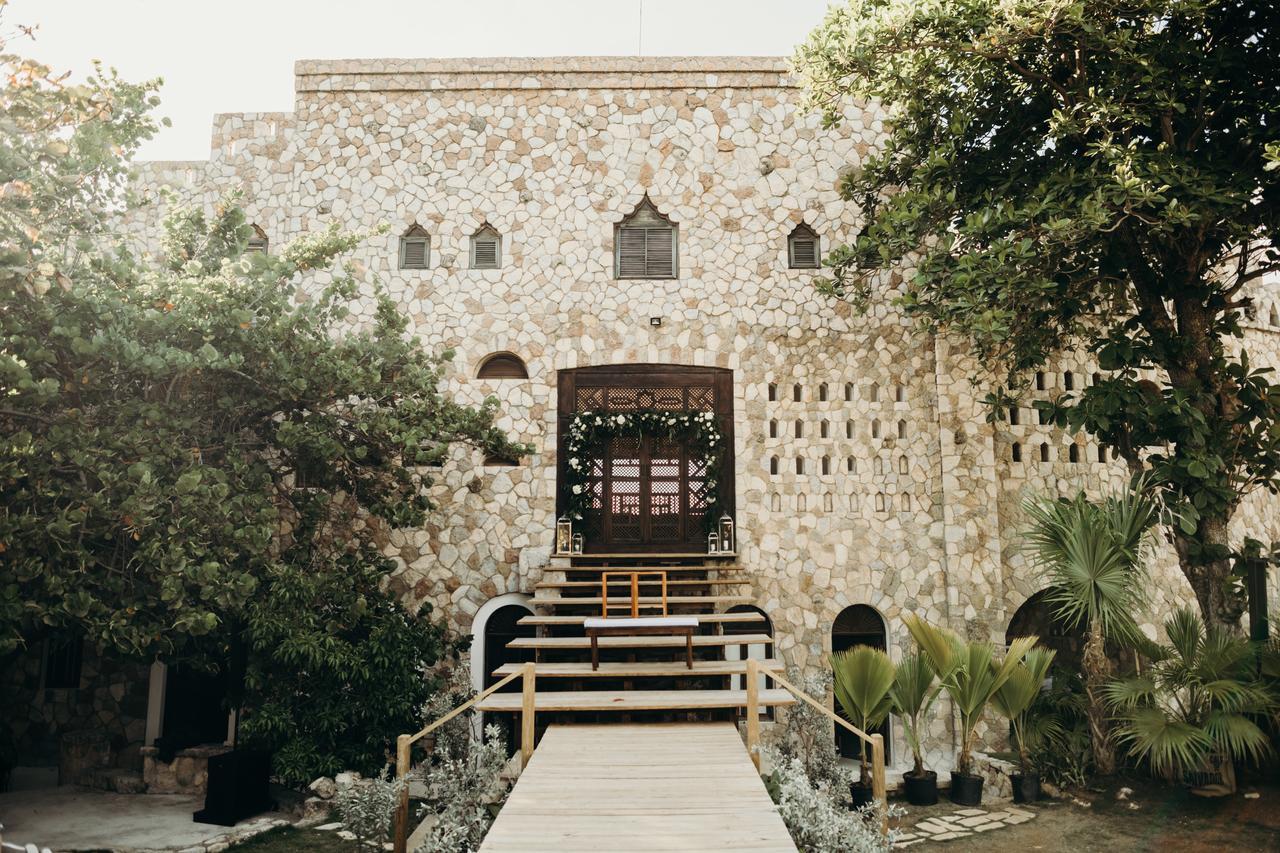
(921, 790)
(966, 789)
(1026, 787)
(861, 794)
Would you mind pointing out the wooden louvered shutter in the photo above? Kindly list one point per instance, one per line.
(413, 253)
(659, 252)
(484, 251)
(631, 252)
(646, 245)
(803, 245)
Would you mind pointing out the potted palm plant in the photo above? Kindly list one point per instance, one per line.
(971, 675)
(863, 676)
(1014, 700)
(915, 689)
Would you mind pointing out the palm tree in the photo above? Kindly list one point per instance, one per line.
(1016, 695)
(1090, 554)
(970, 674)
(863, 676)
(1193, 707)
(915, 689)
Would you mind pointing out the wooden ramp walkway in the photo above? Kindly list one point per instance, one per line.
(624, 788)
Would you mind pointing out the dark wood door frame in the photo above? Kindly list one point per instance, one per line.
(630, 387)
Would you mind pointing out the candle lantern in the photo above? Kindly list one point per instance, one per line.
(577, 543)
(564, 535)
(726, 534)
(713, 542)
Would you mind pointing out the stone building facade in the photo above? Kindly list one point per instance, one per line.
(865, 470)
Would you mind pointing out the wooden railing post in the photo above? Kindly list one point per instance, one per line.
(753, 710)
(404, 743)
(877, 768)
(529, 683)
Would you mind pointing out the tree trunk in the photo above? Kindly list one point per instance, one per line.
(1097, 671)
(1219, 594)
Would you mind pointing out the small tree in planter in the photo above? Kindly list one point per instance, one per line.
(915, 689)
(1014, 700)
(863, 676)
(971, 675)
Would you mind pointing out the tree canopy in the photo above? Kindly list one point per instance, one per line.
(176, 428)
(1083, 175)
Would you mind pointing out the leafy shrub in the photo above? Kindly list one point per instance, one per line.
(367, 808)
(818, 821)
(1058, 731)
(806, 735)
(337, 668)
(467, 791)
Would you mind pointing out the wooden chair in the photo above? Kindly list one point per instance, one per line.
(635, 624)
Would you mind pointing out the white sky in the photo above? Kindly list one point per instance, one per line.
(238, 55)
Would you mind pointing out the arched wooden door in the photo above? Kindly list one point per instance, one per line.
(648, 496)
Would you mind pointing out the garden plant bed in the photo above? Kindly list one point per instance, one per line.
(1167, 819)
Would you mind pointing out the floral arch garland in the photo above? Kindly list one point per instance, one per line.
(590, 433)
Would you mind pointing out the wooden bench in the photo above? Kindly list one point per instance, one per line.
(635, 624)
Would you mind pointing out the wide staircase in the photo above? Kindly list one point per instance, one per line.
(643, 676)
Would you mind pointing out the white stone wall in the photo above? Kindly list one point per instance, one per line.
(552, 153)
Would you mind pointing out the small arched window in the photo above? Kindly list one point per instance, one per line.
(825, 428)
(257, 241)
(850, 465)
(773, 466)
(902, 429)
(645, 244)
(899, 394)
(848, 429)
(874, 394)
(803, 251)
(1069, 381)
(822, 393)
(848, 392)
(1044, 452)
(1102, 453)
(502, 365)
(875, 428)
(904, 502)
(797, 393)
(1013, 416)
(1073, 453)
(773, 393)
(902, 465)
(799, 464)
(799, 427)
(1016, 452)
(773, 429)
(415, 249)
(486, 249)
(1039, 380)
(826, 465)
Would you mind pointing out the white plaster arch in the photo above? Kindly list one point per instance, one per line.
(478, 625)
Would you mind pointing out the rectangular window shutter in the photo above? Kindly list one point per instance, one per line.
(804, 252)
(485, 253)
(413, 253)
(658, 252)
(631, 253)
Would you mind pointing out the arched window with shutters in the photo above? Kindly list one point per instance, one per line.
(257, 241)
(644, 245)
(502, 365)
(486, 249)
(803, 251)
(415, 248)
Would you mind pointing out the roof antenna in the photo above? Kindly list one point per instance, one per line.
(640, 32)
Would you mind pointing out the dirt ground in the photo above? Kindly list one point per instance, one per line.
(1167, 820)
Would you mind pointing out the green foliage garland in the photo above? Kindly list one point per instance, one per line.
(591, 432)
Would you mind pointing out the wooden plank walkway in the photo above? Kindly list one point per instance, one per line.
(630, 788)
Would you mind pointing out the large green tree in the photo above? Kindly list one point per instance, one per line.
(1083, 175)
(180, 433)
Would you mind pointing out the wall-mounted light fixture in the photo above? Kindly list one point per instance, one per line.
(655, 321)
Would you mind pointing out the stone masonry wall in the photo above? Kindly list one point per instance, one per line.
(918, 510)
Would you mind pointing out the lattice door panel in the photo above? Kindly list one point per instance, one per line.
(623, 478)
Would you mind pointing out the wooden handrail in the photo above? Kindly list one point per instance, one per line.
(876, 741)
(404, 743)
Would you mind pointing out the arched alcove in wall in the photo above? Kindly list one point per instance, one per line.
(757, 651)
(496, 623)
(1037, 618)
(859, 625)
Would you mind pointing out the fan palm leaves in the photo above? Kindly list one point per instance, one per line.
(915, 689)
(969, 672)
(863, 676)
(1090, 554)
(1016, 696)
(1196, 702)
